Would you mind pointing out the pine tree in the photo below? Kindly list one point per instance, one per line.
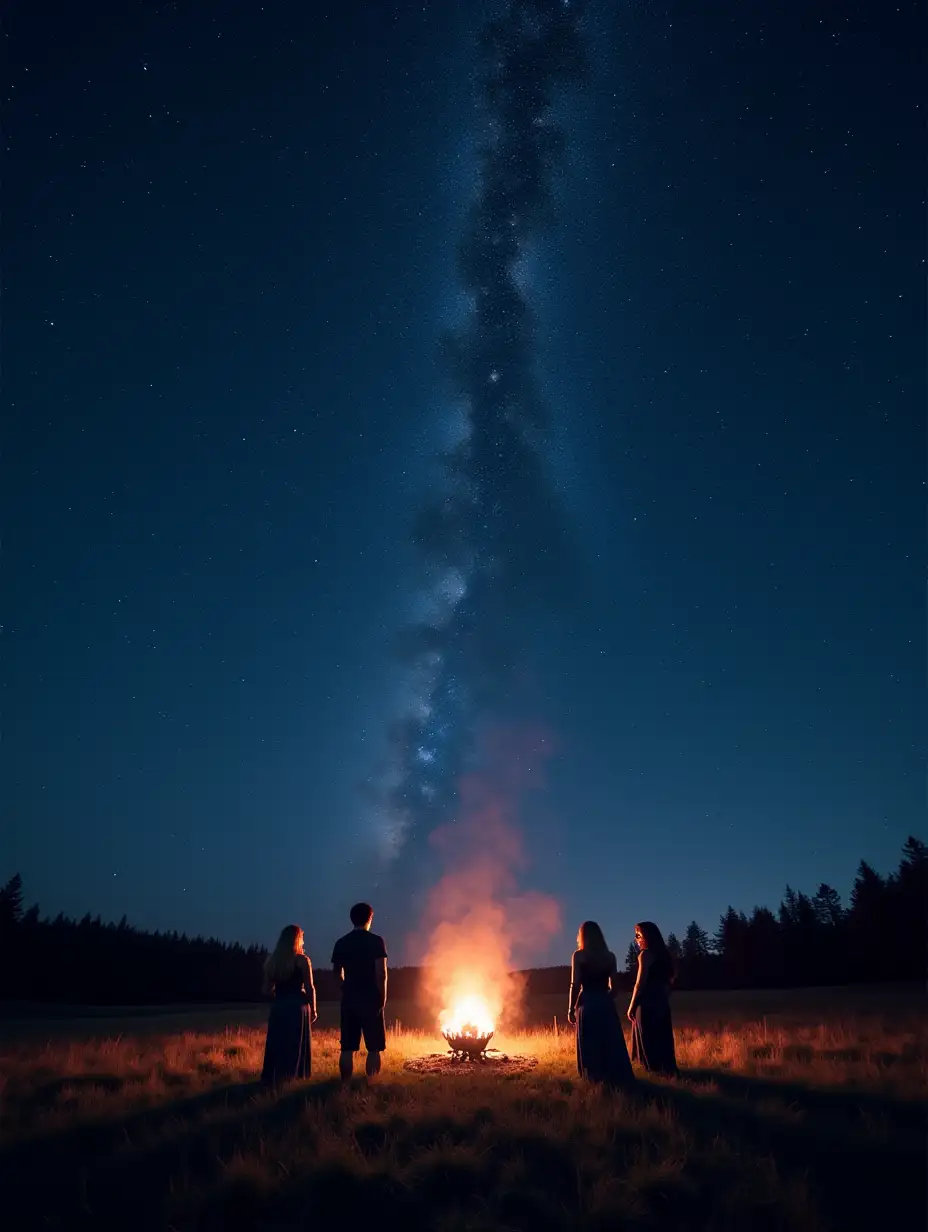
(730, 943)
(869, 890)
(11, 903)
(910, 916)
(915, 852)
(695, 942)
(789, 908)
(764, 943)
(827, 906)
(831, 940)
(806, 919)
(728, 925)
(631, 959)
(694, 963)
(870, 899)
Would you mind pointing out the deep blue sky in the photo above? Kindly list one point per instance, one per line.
(229, 252)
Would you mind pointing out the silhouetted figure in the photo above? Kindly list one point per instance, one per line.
(601, 1052)
(649, 1008)
(360, 961)
(288, 974)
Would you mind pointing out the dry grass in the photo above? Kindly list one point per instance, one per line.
(807, 1125)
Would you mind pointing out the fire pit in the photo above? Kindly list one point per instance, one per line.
(467, 1043)
(467, 1027)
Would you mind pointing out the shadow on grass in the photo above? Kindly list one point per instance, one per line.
(46, 1095)
(238, 1157)
(903, 1114)
(862, 1154)
(98, 1172)
(98, 1133)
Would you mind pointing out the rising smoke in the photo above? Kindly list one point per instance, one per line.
(477, 924)
(494, 541)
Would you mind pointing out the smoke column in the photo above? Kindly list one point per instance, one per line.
(494, 541)
(477, 924)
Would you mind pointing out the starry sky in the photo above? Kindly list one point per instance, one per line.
(231, 246)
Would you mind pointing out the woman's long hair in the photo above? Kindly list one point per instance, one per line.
(590, 939)
(282, 959)
(663, 967)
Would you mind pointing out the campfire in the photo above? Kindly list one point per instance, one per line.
(467, 1026)
(467, 1029)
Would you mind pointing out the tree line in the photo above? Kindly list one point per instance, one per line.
(89, 962)
(881, 935)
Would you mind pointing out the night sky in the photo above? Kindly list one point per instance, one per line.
(232, 239)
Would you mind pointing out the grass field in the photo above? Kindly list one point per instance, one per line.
(798, 1111)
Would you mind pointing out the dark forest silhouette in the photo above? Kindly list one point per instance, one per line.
(882, 935)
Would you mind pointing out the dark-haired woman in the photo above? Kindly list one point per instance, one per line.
(288, 974)
(601, 1053)
(649, 1008)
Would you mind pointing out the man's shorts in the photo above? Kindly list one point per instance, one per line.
(358, 1022)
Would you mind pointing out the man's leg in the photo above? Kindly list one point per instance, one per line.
(351, 1042)
(375, 1041)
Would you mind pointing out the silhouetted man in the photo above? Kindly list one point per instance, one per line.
(360, 962)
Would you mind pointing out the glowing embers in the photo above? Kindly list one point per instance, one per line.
(468, 1028)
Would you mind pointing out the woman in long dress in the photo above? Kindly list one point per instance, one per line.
(649, 1008)
(288, 975)
(601, 1053)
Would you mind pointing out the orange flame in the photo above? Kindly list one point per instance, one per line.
(468, 1016)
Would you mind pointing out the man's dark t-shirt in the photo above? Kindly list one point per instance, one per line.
(357, 953)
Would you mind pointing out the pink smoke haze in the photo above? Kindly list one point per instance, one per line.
(478, 925)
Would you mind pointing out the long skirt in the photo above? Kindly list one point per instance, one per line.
(652, 1036)
(288, 1049)
(601, 1052)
